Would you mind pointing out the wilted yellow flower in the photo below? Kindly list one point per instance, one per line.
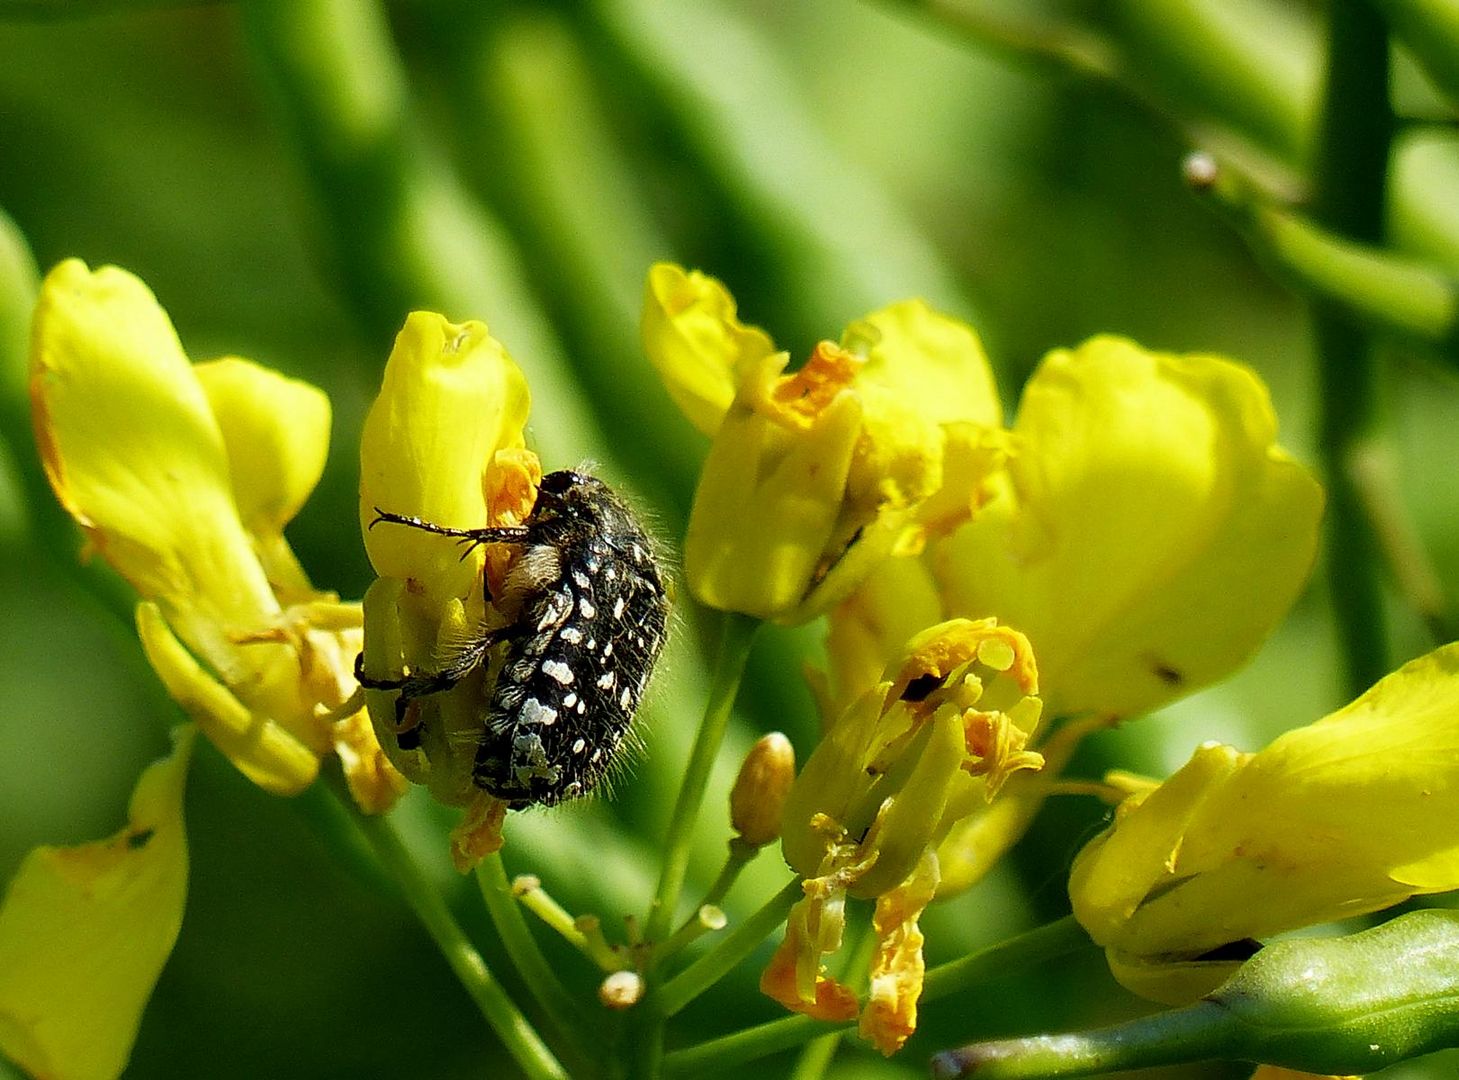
(816, 476)
(931, 743)
(1145, 531)
(1339, 818)
(183, 477)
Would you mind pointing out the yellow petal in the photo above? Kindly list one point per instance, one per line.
(871, 629)
(1332, 820)
(84, 932)
(924, 370)
(897, 966)
(1143, 487)
(1169, 980)
(451, 398)
(276, 432)
(132, 448)
(694, 340)
(261, 749)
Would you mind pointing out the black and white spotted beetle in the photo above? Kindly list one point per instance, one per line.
(588, 609)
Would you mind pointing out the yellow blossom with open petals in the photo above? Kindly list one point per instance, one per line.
(817, 475)
(443, 442)
(1139, 488)
(1331, 820)
(935, 740)
(1142, 487)
(183, 478)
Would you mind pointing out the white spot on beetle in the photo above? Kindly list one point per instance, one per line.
(556, 669)
(534, 712)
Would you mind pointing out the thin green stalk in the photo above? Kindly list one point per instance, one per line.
(789, 193)
(583, 933)
(1033, 947)
(566, 1015)
(816, 1058)
(1375, 477)
(1430, 29)
(1404, 298)
(1355, 134)
(726, 954)
(1058, 938)
(737, 633)
(740, 856)
(515, 1031)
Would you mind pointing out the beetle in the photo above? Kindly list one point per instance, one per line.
(588, 614)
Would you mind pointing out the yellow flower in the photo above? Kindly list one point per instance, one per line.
(84, 932)
(444, 442)
(931, 743)
(815, 477)
(183, 477)
(1145, 531)
(1342, 817)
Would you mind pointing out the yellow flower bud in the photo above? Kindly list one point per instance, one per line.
(758, 796)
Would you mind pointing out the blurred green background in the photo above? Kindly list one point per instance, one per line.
(292, 177)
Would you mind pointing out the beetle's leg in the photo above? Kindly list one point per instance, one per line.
(466, 660)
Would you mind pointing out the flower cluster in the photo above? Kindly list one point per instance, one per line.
(1137, 528)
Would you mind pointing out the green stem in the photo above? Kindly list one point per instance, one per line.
(726, 954)
(737, 633)
(816, 1058)
(1430, 29)
(1033, 947)
(583, 933)
(740, 856)
(1375, 478)
(1058, 938)
(787, 191)
(1405, 298)
(516, 1033)
(1051, 44)
(1355, 133)
(566, 1015)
